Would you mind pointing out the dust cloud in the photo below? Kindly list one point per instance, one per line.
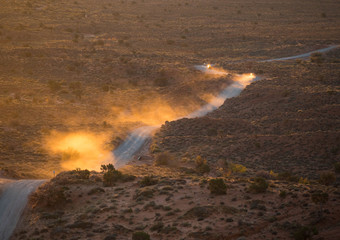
(83, 150)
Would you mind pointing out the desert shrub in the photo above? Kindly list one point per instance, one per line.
(304, 180)
(201, 165)
(337, 167)
(217, 186)
(148, 181)
(317, 57)
(259, 185)
(106, 88)
(236, 168)
(82, 174)
(161, 81)
(54, 85)
(212, 132)
(96, 190)
(287, 176)
(154, 148)
(140, 236)
(111, 175)
(327, 178)
(304, 232)
(143, 194)
(263, 174)
(319, 197)
(170, 42)
(163, 159)
(75, 85)
(49, 195)
(157, 227)
(283, 194)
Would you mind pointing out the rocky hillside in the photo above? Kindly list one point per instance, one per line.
(288, 121)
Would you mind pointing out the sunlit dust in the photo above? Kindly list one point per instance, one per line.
(244, 79)
(155, 113)
(79, 150)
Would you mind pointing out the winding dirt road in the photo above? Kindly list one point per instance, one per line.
(15, 194)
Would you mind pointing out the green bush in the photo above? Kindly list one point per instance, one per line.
(259, 185)
(140, 236)
(217, 186)
(327, 178)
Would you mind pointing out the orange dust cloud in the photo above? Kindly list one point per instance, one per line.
(79, 150)
(152, 114)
